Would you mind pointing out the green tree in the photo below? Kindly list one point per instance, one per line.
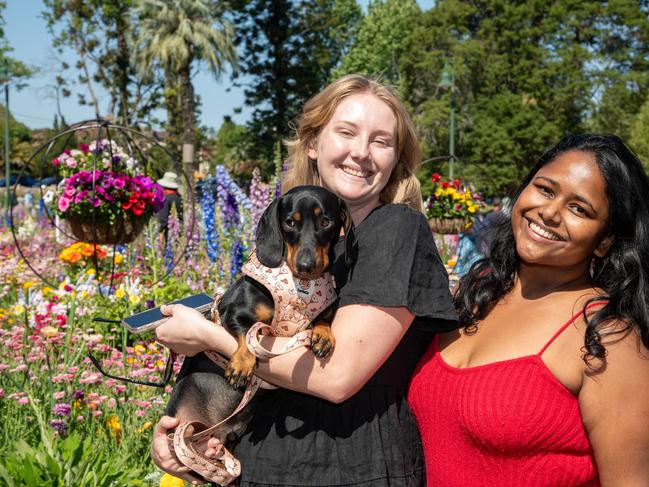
(231, 147)
(525, 74)
(177, 35)
(639, 138)
(288, 49)
(380, 41)
(101, 33)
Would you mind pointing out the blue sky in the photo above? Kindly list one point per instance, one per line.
(35, 105)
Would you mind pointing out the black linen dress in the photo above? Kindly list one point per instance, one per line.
(371, 439)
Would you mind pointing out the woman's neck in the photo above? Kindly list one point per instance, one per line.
(535, 281)
(360, 212)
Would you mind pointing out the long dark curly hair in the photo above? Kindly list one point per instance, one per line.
(621, 273)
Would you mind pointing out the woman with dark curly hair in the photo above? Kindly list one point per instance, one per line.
(547, 383)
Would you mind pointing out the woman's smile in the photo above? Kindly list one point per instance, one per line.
(541, 233)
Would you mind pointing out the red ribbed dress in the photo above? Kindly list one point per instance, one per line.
(508, 423)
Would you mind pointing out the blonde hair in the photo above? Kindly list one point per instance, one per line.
(402, 187)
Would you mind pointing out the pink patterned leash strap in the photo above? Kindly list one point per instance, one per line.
(300, 339)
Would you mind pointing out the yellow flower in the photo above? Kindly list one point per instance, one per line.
(145, 427)
(47, 290)
(91, 272)
(134, 299)
(28, 284)
(120, 293)
(168, 480)
(472, 209)
(114, 426)
(139, 349)
(118, 258)
(19, 309)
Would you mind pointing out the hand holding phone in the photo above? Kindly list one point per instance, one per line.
(151, 318)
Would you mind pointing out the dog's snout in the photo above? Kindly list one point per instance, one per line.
(305, 261)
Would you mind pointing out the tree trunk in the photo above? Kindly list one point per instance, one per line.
(189, 123)
(123, 66)
(173, 115)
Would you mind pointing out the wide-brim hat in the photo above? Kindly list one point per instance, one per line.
(169, 180)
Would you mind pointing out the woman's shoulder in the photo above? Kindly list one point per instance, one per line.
(395, 216)
(398, 210)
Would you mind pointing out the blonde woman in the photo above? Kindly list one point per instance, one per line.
(344, 420)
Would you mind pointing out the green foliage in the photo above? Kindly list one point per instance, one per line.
(101, 34)
(288, 49)
(19, 141)
(640, 134)
(525, 74)
(69, 461)
(380, 42)
(177, 35)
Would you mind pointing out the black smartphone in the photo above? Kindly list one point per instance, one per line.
(149, 319)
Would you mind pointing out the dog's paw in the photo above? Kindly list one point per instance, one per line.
(239, 372)
(322, 341)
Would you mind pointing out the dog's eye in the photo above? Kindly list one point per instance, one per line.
(325, 222)
(290, 223)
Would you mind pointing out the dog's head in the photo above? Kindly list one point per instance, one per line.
(302, 227)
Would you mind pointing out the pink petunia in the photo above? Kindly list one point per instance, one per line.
(64, 203)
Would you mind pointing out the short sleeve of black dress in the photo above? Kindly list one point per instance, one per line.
(398, 265)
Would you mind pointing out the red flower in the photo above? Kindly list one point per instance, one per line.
(445, 184)
(435, 177)
(139, 208)
(456, 183)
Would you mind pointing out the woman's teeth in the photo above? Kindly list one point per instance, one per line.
(355, 172)
(543, 232)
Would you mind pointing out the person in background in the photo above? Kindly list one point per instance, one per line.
(343, 421)
(547, 382)
(169, 183)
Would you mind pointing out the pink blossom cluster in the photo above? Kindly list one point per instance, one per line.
(109, 193)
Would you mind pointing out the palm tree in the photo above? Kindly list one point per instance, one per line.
(173, 35)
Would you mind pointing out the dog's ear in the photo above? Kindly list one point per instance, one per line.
(348, 227)
(269, 240)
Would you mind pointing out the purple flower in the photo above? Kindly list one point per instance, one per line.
(61, 409)
(78, 394)
(60, 426)
(118, 183)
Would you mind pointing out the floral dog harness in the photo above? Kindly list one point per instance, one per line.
(297, 303)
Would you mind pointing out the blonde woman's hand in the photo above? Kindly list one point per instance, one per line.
(186, 332)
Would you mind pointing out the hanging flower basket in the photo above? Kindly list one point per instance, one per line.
(447, 225)
(122, 231)
(451, 206)
(120, 205)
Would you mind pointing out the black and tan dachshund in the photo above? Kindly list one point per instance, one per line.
(301, 229)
